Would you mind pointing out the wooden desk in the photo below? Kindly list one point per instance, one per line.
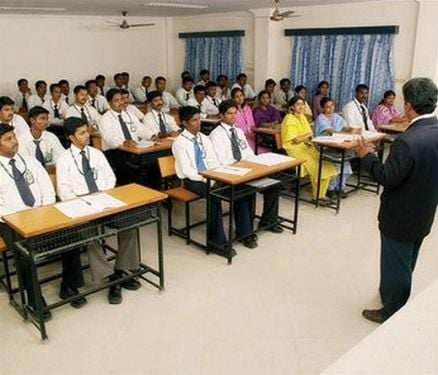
(394, 128)
(235, 188)
(163, 145)
(274, 133)
(43, 233)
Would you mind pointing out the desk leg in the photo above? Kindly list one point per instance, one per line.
(207, 234)
(321, 153)
(297, 199)
(230, 226)
(256, 147)
(341, 176)
(19, 274)
(160, 249)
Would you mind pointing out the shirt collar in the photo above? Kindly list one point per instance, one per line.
(427, 115)
(77, 150)
(156, 113)
(359, 103)
(226, 126)
(189, 135)
(115, 113)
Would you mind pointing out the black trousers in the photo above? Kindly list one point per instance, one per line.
(270, 206)
(397, 262)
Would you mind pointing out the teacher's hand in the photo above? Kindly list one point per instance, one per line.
(364, 148)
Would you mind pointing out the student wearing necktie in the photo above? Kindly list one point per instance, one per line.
(355, 111)
(213, 100)
(81, 108)
(24, 184)
(84, 170)
(96, 100)
(56, 107)
(65, 91)
(282, 96)
(208, 110)
(7, 116)
(131, 108)
(141, 92)
(184, 93)
(40, 97)
(21, 96)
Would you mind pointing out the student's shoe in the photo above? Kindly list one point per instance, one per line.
(332, 194)
(131, 284)
(343, 194)
(67, 292)
(250, 242)
(115, 295)
(273, 228)
(373, 315)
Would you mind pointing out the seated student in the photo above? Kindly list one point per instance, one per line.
(24, 184)
(96, 100)
(207, 110)
(355, 111)
(270, 85)
(284, 95)
(231, 146)
(296, 137)
(158, 122)
(120, 80)
(322, 91)
(7, 116)
(131, 108)
(266, 115)
(223, 91)
(21, 95)
(125, 80)
(39, 143)
(211, 89)
(141, 93)
(386, 112)
(40, 97)
(242, 83)
(169, 100)
(102, 89)
(80, 108)
(300, 92)
(244, 118)
(327, 123)
(184, 93)
(56, 107)
(194, 153)
(205, 77)
(82, 170)
(67, 96)
(119, 129)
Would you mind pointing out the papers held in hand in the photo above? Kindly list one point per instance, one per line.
(88, 205)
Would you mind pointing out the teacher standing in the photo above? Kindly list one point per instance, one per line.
(409, 200)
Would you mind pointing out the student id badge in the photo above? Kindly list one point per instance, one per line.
(28, 176)
(49, 156)
(94, 170)
(132, 127)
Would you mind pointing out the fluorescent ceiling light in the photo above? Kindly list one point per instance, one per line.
(176, 5)
(36, 9)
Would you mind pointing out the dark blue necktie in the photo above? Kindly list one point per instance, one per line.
(162, 124)
(22, 186)
(125, 129)
(83, 116)
(364, 116)
(88, 174)
(187, 96)
(56, 111)
(39, 153)
(200, 165)
(237, 155)
(93, 103)
(24, 103)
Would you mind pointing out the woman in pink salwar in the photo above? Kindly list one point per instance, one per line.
(244, 118)
(386, 113)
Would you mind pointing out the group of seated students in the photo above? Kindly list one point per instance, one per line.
(27, 148)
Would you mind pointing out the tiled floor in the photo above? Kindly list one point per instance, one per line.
(291, 306)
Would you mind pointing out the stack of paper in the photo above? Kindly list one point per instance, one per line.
(337, 138)
(144, 144)
(228, 169)
(269, 159)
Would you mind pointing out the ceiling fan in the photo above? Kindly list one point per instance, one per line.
(280, 16)
(125, 25)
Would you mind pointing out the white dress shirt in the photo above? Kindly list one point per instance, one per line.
(169, 101)
(93, 117)
(213, 105)
(183, 96)
(35, 175)
(17, 97)
(247, 90)
(49, 143)
(281, 99)
(70, 179)
(353, 115)
(152, 123)
(71, 98)
(202, 107)
(20, 125)
(100, 103)
(185, 162)
(221, 139)
(62, 108)
(104, 91)
(134, 111)
(35, 100)
(223, 94)
(112, 133)
(130, 97)
(140, 94)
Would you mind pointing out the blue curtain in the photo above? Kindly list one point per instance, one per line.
(344, 61)
(220, 55)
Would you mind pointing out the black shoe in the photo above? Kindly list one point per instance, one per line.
(332, 194)
(250, 242)
(276, 229)
(67, 292)
(131, 284)
(343, 194)
(373, 315)
(47, 315)
(115, 295)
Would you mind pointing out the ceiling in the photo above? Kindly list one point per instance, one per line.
(137, 7)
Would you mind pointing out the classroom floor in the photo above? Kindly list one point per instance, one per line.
(291, 306)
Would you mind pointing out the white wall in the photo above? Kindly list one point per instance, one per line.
(77, 48)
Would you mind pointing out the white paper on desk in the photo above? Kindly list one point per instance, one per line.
(269, 159)
(144, 144)
(103, 201)
(337, 138)
(228, 169)
(368, 134)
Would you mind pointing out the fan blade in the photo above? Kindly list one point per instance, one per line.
(287, 14)
(294, 16)
(142, 24)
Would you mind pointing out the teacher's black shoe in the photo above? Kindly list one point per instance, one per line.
(373, 315)
(115, 295)
(273, 228)
(67, 292)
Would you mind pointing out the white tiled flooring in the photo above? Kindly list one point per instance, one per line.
(291, 306)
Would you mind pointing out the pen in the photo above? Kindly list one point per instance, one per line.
(83, 200)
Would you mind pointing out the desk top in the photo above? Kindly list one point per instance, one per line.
(45, 219)
(257, 171)
(394, 128)
(271, 131)
(164, 144)
(348, 145)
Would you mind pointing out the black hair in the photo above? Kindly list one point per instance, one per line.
(422, 94)
(124, 92)
(187, 79)
(225, 106)
(320, 84)
(185, 73)
(186, 113)
(63, 82)
(270, 82)
(325, 100)
(5, 100)
(160, 78)
(124, 74)
(284, 80)
(5, 128)
(117, 76)
(71, 124)
(39, 83)
(210, 84)
(204, 71)
(261, 93)
(221, 76)
(111, 92)
(153, 94)
(79, 88)
(145, 77)
(292, 102)
(53, 86)
(199, 88)
(299, 88)
(38, 110)
(241, 75)
(361, 86)
(89, 83)
(100, 76)
(235, 91)
(22, 80)
(388, 93)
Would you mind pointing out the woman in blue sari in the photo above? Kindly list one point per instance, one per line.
(328, 123)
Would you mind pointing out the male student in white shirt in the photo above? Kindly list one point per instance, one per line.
(39, 143)
(205, 77)
(56, 107)
(25, 184)
(242, 83)
(40, 95)
(95, 100)
(194, 153)
(157, 121)
(213, 100)
(223, 91)
(284, 94)
(231, 146)
(169, 101)
(102, 89)
(355, 111)
(83, 170)
(131, 108)
(140, 93)
(80, 108)
(207, 109)
(120, 83)
(7, 116)
(67, 95)
(184, 93)
(21, 95)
